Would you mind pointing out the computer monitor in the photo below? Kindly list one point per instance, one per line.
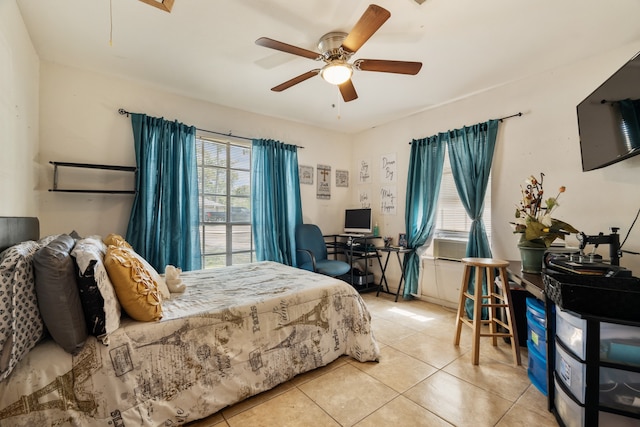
(357, 221)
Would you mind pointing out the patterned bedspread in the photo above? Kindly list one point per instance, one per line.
(235, 332)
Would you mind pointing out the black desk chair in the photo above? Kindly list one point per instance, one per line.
(311, 252)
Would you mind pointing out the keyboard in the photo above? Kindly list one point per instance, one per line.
(352, 235)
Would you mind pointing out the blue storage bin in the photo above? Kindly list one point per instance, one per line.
(536, 335)
(537, 370)
(535, 307)
(536, 326)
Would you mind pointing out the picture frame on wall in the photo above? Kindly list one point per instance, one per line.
(342, 178)
(306, 174)
(402, 240)
(323, 182)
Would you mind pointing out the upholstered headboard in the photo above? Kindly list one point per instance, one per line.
(16, 229)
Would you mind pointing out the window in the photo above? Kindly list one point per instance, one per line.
(452, 220)
(224, 184)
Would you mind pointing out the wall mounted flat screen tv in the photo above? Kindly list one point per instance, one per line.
(609, 119)
(357, 221)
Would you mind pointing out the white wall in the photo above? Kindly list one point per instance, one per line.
(545, 139)
(18, 115)
(80, 123)
(76, 119)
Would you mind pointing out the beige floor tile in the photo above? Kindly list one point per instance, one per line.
(502, 351)
(396, 369)
(374, 303)
(535, 401)
(458, 402)
(444, 328)
(215, 420)
(402, 412)
(388, 331)
(308, 376)
(500, 377)
(385, 301)
(411, 319)
(348, 394)
(291, 408)
(524, 416)
(256, 400)
(416, 315)
(432, 309)
(435, 352)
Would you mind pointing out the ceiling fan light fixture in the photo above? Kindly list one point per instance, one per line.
(336, 72)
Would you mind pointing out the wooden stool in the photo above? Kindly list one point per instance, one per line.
(498, 296)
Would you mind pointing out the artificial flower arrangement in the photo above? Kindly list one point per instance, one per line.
(533, 216)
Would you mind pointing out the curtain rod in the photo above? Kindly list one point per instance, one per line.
(123, 112)
(518, 114)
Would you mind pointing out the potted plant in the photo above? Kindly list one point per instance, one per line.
(537, 228)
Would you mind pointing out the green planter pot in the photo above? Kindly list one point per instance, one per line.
(532, 259)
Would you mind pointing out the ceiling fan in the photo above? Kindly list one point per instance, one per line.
(336, 48)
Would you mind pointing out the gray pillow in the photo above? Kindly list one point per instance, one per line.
(58, 296)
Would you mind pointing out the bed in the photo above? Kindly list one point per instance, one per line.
(234, 332)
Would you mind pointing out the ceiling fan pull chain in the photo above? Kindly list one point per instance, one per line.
(110, 22)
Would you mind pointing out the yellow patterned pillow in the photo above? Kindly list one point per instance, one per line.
(116, 240)
(136, 290)
(119, 241)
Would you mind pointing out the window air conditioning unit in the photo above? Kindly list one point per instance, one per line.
(451, 249)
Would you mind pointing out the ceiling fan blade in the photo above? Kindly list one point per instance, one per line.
(295, 80)
(369, 22)
(384, 66)
(348, 91)
(284, 47)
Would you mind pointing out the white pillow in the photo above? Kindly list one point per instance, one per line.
(99, 301)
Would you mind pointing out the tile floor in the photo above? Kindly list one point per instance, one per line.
(421, 380)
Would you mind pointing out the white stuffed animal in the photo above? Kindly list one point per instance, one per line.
(173, 280)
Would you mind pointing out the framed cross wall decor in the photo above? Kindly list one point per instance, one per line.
(324, 182)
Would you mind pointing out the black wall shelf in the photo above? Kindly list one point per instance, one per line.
(56, 165)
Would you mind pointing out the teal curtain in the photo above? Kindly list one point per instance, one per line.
(423, 186)
(275, 198)
(164, 222)
(471, 153)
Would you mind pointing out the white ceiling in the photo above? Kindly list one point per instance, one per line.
(205, 48)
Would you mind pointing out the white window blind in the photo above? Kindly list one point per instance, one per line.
(224, 181)
(451, 218)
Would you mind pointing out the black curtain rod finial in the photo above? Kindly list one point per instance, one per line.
(123, 112)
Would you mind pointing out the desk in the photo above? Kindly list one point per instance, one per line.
(354, 249)
(526, 284)
(397, 250)
(532, 283)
